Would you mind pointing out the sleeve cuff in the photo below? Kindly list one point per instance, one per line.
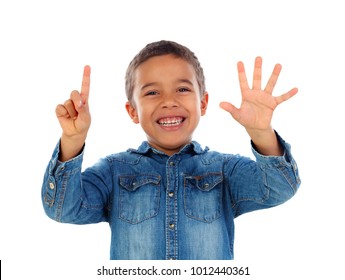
(274, 160)
(56, 167)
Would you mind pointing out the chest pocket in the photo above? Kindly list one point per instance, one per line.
(203, 196)
(139, 197)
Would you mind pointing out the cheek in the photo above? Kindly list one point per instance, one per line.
(141, 116)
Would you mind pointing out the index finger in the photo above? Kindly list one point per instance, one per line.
(85, 85)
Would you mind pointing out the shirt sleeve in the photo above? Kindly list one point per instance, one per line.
(70, 196)
(265, 182)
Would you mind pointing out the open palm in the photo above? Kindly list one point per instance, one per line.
(257, 104)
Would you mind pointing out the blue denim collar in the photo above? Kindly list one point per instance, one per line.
(190, 148)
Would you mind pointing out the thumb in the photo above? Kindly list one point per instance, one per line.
(83, 111)
(77, 102)
(235, 113)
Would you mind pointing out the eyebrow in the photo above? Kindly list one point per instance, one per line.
(178, 81)
(148, 85)
(185, 81)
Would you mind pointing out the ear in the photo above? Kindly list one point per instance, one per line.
(132, 112)
(204, 103)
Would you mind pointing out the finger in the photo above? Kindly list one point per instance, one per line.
(273, 79)
(85, 85)
(76, 100)
(70, 107)
(257, 73)
(242, 76)
(286, 96)
(61, 111)
(235, 113)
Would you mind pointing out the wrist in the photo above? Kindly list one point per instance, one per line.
(70, 146)
(266, 141)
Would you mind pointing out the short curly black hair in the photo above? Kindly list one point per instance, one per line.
(158, 48)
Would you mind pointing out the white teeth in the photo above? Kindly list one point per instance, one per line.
(170, 121)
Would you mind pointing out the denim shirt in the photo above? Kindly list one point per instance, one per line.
(168, 207)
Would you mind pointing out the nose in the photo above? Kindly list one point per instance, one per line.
(169, 100)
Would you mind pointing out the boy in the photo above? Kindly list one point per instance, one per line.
(170, 198)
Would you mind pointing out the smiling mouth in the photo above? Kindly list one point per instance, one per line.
(170, 121)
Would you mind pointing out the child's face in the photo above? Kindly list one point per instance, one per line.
(166, 102)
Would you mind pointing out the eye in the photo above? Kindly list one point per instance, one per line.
(151, 92)
(183, 89)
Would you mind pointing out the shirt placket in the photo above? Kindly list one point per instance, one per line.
(171, 210)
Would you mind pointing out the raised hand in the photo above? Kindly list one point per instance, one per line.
(75, 119)
(74, 115)
(257, 104)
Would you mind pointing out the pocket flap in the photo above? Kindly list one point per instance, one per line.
(132, 182)
(207, 181)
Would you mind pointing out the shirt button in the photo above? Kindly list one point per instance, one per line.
(51, 186)
(171, 163)
(171, 194)
(171, 226)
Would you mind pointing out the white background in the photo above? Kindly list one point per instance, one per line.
(43, 48)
